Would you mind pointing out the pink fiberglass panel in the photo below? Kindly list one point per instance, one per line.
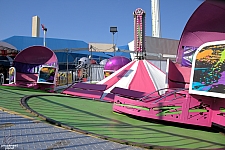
(174, 74)
(190, 110)
(83, 93)
(199, 110)
(218, 116)
(185, 71)
(206, 24)
(141, 80)
(178, 75)
(45, 87)
(117, 77)
(170, 111)
(88, 86)
(36, 55)
(128, 93)
(26, 77)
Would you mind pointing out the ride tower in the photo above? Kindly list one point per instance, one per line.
(139, 33)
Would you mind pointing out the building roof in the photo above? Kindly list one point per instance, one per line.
(156, 45)
(158, 48)
(22, 42)
(7, 49)
(77, 48)
(5, 45)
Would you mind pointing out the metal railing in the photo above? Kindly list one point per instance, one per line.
(91, 73)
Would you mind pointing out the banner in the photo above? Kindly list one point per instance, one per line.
(47, 75)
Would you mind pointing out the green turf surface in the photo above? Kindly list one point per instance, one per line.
(10, 98)
(21, 89)
(97, 117)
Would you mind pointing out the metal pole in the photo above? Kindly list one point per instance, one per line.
(90, 67)
(113, 45)
(91, 52)
(67, 66)
(160, 58)
(44, 37)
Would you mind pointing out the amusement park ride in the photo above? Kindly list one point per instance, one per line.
(192, 91)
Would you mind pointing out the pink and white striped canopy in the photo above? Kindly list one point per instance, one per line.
(139, 75)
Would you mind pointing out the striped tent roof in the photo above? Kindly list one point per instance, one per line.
(139, 75)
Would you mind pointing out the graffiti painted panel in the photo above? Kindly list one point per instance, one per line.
(199, 110)
(208, 72)
(218, 116)
(47, 75)
(188, 54)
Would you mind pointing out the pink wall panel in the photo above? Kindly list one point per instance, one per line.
(178, 75)
(218, 116)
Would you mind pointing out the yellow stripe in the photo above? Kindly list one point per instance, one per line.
(16, 113)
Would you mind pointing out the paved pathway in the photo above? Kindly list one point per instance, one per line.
(23, 133)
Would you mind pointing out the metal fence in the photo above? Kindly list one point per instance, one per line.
(91, 73)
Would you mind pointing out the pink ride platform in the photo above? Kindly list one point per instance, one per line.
(192, 91)
(176, 106)
(171, 102)
(91, 91)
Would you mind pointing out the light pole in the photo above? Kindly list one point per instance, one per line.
(90, 68)
(67, 65)
(113, 30)
(45, 30)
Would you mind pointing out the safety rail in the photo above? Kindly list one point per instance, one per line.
(160, 97)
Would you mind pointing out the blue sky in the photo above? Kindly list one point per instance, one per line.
(90, 20)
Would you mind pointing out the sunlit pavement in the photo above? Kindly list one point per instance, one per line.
(20, 133)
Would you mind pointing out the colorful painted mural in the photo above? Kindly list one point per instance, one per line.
(188, 53)
(47, 75)
(208, 71)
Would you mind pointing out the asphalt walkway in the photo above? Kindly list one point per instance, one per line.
(21, 133)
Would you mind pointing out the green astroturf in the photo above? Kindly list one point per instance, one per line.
(10, 98)
(98, 117)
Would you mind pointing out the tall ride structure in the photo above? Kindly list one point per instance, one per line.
(139, 33)
(155, 18)
(35, 26)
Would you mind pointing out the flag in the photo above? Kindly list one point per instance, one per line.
(43, 27)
